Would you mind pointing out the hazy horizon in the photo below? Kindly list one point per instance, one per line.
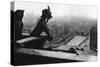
(73, 16)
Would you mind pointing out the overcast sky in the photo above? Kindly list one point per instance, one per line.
(58, 10)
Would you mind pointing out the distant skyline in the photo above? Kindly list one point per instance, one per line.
(58, 10)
